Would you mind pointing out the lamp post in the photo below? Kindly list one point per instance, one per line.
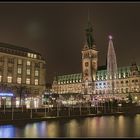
(12, 106)
(69, 110)
(80, 108)
(12, 112)
(48, 105)
(111, 107)
(4, 103)
(45, 110)
(104, 106)
(57, 108)
(31, 109)
(89, 107)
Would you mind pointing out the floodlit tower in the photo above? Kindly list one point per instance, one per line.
(89, 61)
(111, 64)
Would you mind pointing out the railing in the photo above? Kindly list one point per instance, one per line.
(14, 113)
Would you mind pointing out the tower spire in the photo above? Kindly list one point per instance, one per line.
(89, 34)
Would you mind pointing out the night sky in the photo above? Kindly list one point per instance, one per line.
(57, 31)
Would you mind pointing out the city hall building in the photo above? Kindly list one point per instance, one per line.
(94, 79)
(22, 76)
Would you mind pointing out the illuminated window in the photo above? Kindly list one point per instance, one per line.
(19, 80)
(0, 78)
(124, 75)
(36, 72)
(35, 56)
(28, 63)
(119, 75)
(27, 81)
(19, 61)
(29, 55)
(36, 81)
(28, 72)
(9, 79)
(19, 70)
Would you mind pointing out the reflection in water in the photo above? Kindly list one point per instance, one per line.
(7, 131)
(104, 126)
(53, 129)
(137, 125)
(73, 128)
(121, 127)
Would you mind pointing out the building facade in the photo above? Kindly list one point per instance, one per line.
(128, 81)
(94, 79)
(22, 74)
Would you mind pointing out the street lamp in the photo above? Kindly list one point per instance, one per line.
(111, 108)
(4, 100)
(58, 101)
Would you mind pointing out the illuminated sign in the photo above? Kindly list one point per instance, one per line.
(6, 94)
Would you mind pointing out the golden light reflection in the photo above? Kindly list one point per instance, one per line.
(31, 130)
(120, 127)
(93, 128)
(53, 129)
(137, 125)
(73, 128)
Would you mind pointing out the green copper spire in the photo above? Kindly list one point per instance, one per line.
(89, 37)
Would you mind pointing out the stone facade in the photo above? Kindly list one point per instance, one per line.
(21, 69)
(128, 81)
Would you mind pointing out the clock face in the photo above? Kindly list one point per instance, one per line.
(86, 64)
(86, 72)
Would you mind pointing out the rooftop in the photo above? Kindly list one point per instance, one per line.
(14, 47)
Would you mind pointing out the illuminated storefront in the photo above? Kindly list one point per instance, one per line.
(6, 99)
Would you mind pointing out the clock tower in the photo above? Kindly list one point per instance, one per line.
(89, 61)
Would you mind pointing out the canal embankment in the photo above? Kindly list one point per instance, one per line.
(23, 115)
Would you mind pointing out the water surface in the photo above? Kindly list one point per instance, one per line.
(104, 126)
